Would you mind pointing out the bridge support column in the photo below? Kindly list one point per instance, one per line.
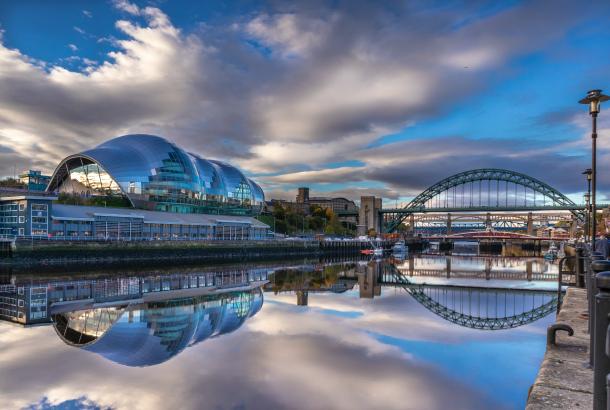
(412, 224)
(448, 267)
(302, 297)
(573, 227)
(449, 224)
(530, 224)
(487, 269)
(369, 216)
(411, 264)
(529, 270)
(488, 221)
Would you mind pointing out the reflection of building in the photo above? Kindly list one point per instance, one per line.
(138, 321)
(176, 194)
(368, 280)
(29, 302)
(151, 333)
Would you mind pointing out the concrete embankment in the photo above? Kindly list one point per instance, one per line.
(564, 380)
(60, 253)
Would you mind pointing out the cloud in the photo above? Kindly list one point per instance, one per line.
(288, 89)
(87, 13)
(288, 33)
(73, 47)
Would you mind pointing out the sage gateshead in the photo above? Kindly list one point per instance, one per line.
(139, 187)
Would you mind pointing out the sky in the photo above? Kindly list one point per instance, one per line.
(349, 98)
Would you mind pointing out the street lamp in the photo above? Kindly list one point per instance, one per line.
(594, 99)
(588, 173)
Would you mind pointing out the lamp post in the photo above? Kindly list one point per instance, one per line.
(587, 216)
(588, 173)
(594, 99)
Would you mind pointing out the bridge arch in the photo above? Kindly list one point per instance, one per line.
(525, 193)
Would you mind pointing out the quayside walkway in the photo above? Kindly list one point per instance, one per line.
(564, 380)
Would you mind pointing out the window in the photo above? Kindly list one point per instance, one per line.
(22, 219)
(21, 232)
(22, 207)
(20, 303)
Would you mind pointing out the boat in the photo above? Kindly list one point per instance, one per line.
(399, 247)
(551, 253)
(377, 250)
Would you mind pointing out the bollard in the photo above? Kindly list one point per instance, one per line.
(601, 364)
(597, 266)
(551, 332)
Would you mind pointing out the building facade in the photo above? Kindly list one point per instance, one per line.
(165, 193)
(154, 174)
(345, 209)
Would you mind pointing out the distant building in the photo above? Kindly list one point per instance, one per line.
(345, 209)
(34, 180)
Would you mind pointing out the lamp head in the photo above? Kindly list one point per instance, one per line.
(588, 172)
(594, 99)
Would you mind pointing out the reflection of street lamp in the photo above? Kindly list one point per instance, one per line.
(588, 173)
(594, 99)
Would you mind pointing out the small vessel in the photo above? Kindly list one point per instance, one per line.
(399, 247)
(551, 253)
(377, 250)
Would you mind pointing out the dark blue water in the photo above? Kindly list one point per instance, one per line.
(316, 336)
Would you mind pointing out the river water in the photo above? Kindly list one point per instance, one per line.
(426, 332)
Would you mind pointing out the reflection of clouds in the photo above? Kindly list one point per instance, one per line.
(285, 357)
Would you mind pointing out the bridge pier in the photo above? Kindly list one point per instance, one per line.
(449, 224)
(369, 215)
(411, 264)
(412, 224)
(488, 221)
(448, 259)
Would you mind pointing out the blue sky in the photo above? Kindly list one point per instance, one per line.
(346, 97)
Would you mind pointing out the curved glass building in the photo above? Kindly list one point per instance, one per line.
(155, 174)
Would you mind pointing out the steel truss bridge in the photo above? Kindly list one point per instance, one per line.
(488, 198)
(482, 308)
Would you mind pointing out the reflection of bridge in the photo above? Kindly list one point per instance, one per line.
(469, 306)
(483, 198)
(485, 309)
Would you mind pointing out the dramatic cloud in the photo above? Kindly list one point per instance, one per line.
(288, 89)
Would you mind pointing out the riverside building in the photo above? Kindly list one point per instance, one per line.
(137, 187)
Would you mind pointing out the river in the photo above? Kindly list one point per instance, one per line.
(426, 332)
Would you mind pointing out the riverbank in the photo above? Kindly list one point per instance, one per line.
(61, 253)
(564, 380)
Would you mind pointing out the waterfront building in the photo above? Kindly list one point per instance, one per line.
(345, 209)
(155, 190)
(34, 180)
(151, 173)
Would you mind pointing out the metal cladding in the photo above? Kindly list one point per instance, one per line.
(153, 173)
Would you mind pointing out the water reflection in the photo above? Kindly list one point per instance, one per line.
(473, 305)
(151, 333)
(137, 320)
(358, 325)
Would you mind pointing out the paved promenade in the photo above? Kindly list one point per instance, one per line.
(564, 381)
